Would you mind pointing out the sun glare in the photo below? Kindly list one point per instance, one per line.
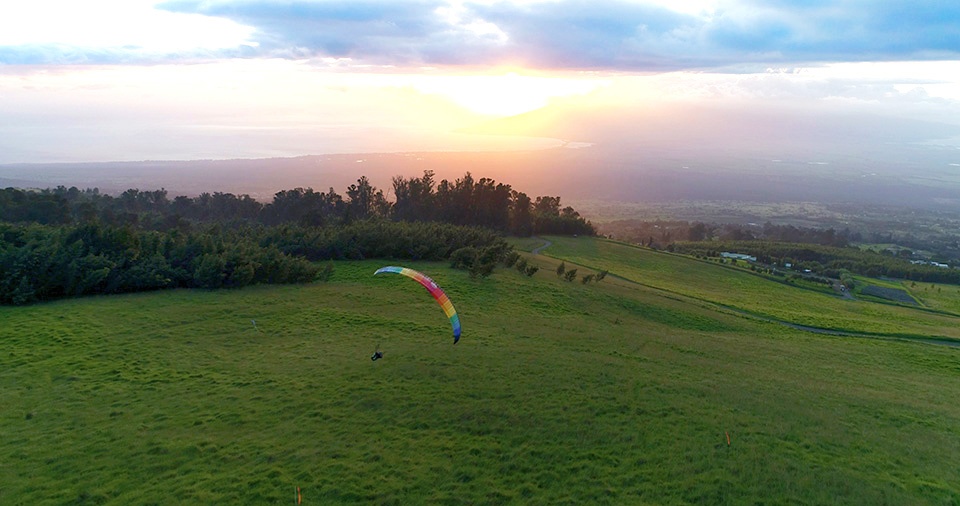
(507, 94)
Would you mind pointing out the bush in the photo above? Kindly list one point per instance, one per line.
(464, 258)
(494, 253)
(482, 269)
(522, 265)
(326, 273)
(210, 271)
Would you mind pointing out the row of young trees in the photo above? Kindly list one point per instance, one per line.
(43, 262)
(466, 201)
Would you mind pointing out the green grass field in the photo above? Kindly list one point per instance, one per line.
(617, 392)
(934, 295)
(754, 294)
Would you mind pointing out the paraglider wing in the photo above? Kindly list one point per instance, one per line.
(434, 290)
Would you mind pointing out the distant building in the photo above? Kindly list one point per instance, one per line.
(738, 256)
(926, 262)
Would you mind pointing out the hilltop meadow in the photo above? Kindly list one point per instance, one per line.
(670, 381)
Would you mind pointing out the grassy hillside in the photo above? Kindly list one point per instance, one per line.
(741, 290)
(940, 297)
(558, 393)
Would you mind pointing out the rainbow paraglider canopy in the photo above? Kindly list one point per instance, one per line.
(434, 290)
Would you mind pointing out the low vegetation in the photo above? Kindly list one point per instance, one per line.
(44, 262)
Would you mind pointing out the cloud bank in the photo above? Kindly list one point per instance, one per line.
(614, 35)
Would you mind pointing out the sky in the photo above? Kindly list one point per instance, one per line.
(115, 80)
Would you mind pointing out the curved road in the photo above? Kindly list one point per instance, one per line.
(538, 249)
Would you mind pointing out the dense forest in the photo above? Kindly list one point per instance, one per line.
(826, 252)
(938, 246)
(661, 233)
(466, 201)
(68, 242)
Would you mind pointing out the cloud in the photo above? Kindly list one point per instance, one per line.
(597, 34)
(584, 34)
(821, 31)
(614, 35)
(54, 32)
(382, 32)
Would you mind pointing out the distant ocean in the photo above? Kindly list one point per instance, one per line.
(216, 142)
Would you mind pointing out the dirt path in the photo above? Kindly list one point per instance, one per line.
(842, 290)
(538, 249)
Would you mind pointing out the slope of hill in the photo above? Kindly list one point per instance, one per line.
(740, 290)
(602, 393)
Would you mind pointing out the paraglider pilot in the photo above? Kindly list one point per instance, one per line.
(377, 354)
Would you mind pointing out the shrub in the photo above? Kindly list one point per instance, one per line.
(326, 273)
(482, 269)
(522, 265)
(464, 258)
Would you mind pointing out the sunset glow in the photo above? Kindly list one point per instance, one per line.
(134, 79)
(507, 94)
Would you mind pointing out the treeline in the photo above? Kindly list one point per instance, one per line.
(466, 201)
(661, 233)
(486, 203)
(65, 242)
(43, 262)
(823, 260)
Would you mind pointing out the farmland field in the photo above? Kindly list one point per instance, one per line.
(643, 388)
